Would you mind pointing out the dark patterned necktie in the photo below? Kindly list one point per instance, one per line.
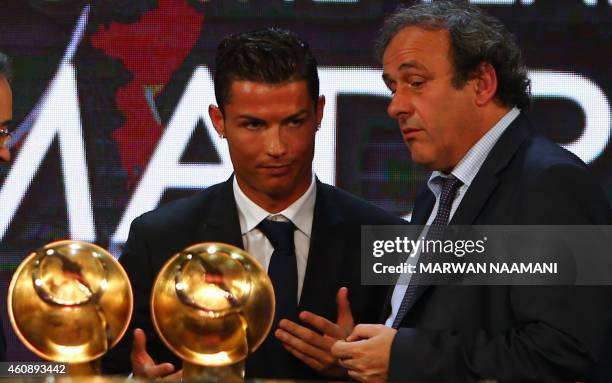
(282, 271)
(449, 190)
(282, 268)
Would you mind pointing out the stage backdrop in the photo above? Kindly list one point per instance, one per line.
(111, 101)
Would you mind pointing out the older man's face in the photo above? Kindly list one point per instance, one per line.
(6, 116)
(434, 116)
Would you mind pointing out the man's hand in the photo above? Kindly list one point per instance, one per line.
(143, 366)
(314, 348)
(366, 352)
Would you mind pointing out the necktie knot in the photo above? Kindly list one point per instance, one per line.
(280, 234)
(450, 186)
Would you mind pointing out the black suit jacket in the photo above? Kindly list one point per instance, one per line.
(212, 216)
(510, 333)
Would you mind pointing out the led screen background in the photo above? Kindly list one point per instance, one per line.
(111, 101)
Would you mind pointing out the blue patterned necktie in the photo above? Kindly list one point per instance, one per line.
(449, 190)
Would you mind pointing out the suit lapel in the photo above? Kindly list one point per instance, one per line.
(478, 193)
(423, 204)
(487, 178)
(220, 223)
(322, 260)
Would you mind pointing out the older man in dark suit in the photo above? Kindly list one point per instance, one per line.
(269, 111)
(459, 87)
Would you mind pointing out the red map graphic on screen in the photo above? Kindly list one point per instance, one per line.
(151, 49)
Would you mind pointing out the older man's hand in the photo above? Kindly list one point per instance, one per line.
(365, 353)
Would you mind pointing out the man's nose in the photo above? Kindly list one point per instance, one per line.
(275, 143)
(401, 104)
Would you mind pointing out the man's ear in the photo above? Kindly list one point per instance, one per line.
(217, 119)
(485, 83)
(320, 108)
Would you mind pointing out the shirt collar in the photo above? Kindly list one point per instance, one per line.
(471, 163)
(300, 212)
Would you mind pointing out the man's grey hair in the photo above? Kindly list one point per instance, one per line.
(5, 66)
(474, 38)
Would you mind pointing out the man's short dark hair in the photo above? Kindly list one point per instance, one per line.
(270, 55)
(475, 37)
(5, 66)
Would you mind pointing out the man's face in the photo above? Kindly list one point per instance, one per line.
(270, 131)
(6, 114)
(434, 117)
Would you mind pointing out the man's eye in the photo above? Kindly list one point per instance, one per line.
(296, 122)
(252, 125)
(416, 83)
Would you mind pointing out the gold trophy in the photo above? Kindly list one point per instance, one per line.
(212, 305)
(70, 302)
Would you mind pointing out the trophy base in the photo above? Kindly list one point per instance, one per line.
(233, 373)
(85, 369)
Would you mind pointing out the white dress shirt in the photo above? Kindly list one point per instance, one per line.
(465, 171)
(301, 213)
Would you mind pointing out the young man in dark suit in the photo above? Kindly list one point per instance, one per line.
(459, 87)
(269, 111)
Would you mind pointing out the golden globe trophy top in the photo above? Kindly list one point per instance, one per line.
(70, 302)
(212, 305)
